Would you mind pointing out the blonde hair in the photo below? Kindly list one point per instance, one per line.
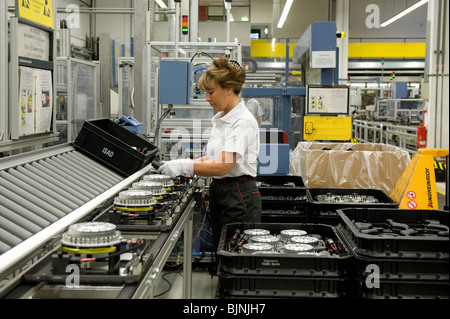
(226, 73)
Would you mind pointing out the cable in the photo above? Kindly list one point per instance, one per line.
(159, 122)
(200, 53)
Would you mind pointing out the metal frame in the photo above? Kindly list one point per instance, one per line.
(387, 133)
(68, 88)
(153, 55)
(126, 61)
(3, 72)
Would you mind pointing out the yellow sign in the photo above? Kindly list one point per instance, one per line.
(416, 188)
(38, 11)
(327, 128)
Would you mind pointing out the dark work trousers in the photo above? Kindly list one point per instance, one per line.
(233, 200)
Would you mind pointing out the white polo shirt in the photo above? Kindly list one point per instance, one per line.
(236, 132)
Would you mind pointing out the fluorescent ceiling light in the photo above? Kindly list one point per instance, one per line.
(283, 17)
(161, 3)
(403, 13)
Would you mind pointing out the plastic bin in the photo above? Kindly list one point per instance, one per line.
(115, 146)
(131, 124)
(283, 264)
(394, 246)
(326, 212)
(283, 198)
(389, 289)
(281, 287)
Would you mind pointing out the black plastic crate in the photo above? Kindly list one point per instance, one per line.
(283, 264)
(389, 289)
(283, 198)
(279, 287)
(404, 269)
(399, 269)
(388, 245)
(115, 146)
(280, 180)
(326, 212)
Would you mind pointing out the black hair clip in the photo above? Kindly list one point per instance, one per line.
(235, 64)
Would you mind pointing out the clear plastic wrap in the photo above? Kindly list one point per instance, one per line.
(348, 165)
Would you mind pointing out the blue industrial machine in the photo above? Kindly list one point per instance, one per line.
(175, 82)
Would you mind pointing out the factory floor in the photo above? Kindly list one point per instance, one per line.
(170, 284)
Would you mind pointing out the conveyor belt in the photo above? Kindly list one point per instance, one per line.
(35, 194)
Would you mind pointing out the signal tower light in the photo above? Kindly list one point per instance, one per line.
(185, 25)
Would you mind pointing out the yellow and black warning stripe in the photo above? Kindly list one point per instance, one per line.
(440, 166)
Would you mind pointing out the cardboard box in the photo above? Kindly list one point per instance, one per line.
(348, 165)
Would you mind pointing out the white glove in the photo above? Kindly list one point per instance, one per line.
(177, 167)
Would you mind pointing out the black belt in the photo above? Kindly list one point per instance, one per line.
(239, 179)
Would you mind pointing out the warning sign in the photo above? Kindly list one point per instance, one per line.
(412, 204)
(38, 11)
(411, 194)
(416, 188)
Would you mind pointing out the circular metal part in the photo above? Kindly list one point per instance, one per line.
(287, 234)
(256, 247)
(156, 188)
(135, 198)
(268, 239)
(166, 180)
(313, 241)
(256, 232)
(91, 234)
(297, 248)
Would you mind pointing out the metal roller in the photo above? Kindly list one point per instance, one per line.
(14, 177)
(34, 199)
(92, 173)
(72, 177)
(49, 187)
(11, 207)
(36, 192)
(27, 206)
(10, 232)
(77, 187)
(78, 173)
(19, 220)
(113, 176)
(3, 247)
(40, 175)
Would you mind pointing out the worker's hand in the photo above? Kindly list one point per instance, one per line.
(178, 167)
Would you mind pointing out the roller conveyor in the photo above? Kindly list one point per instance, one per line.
(43, 193)
(36, 194)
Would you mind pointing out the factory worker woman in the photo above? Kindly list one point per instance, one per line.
(232, 150)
